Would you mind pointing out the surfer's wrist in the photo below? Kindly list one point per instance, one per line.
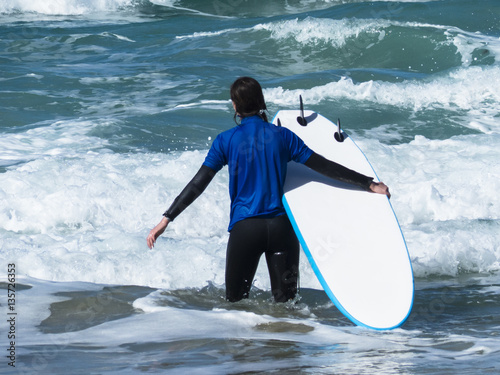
(380, 188)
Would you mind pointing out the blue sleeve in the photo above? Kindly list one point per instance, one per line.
(216, 158)
(299, 152)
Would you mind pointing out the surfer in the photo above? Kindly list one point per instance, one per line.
(256, 153)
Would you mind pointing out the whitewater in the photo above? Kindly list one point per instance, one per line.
(107, 109)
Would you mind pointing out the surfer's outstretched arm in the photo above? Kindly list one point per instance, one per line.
(337, 171)
(187, 196)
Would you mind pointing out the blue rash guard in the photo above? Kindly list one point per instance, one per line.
(257, 154)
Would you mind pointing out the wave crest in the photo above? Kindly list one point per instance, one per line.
(64, 7)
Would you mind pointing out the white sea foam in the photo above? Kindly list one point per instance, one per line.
(473, 89)
(444, 197)
(307, 31)
(310, 30)
(59, 138)
(63, 7)
(204, 34)
(80, 212)
(93, 213)
(76, 7)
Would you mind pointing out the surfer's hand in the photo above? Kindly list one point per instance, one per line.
(380, 188)
(156, 232)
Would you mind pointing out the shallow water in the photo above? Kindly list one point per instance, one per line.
(108, 109)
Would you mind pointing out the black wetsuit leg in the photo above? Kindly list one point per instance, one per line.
(282, 259)
(248, 240)
(245, 246)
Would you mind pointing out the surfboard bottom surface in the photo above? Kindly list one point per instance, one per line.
(351, 237)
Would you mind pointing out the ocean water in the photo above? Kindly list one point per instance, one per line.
(107, 109)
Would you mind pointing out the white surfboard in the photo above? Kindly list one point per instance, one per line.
(351, 237)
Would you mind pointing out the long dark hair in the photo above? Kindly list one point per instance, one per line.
(246, 94)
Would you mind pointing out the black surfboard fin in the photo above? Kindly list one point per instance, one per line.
(339, 137)
(301, 119)
(279, 123)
